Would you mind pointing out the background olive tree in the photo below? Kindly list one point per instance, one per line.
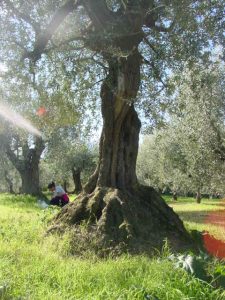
(188, 154)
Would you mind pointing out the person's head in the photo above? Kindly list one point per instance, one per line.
(51, 186)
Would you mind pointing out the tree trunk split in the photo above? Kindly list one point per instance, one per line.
(121, 126)
(113, 203)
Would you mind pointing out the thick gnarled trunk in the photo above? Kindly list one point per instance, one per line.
(113, 203)
(121, 126)
(30, 178)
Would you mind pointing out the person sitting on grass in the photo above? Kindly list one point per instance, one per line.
(60, 197)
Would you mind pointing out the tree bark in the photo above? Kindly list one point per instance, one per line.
(9, 182)
(175, 196)
(77, 181)
(122, 210)
(121, 125)
(198, 196)
(65, 185)
(28, 167)
(30, 178)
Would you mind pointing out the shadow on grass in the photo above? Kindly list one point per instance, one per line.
(203, 217)
(193, 216)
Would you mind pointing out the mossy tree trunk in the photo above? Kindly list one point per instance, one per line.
(112, 201)
(28, 166)
(9, 181)
(121, 126)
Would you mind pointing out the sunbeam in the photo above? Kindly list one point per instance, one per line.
(17, 120)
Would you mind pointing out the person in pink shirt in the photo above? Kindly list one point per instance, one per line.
(60, 197)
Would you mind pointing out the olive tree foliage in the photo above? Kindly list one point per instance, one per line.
(188, 155)
(113, 48)
(22, 148)
(24, 95)
(69, 157)
(203, 124)
(161, 163)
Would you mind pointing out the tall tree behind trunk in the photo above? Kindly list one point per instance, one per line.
(198, 196)
(28, 166)
(65, 185)
(174, 195)
(9, 182)
(76, 172)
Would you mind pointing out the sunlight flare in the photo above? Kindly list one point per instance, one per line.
(17, 120)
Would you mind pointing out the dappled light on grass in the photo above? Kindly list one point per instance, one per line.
(207, 217)
(34, 265)
(214, 246)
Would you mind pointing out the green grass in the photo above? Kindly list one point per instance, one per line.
(35, 266)
(209, 215)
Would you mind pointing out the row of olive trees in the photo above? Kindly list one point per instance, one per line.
(188, 154)
(28, 165)
(62, 152)
(68, 160)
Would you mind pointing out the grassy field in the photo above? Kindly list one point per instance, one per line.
(209, 215)
(35, 266)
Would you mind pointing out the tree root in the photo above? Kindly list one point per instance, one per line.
(141, 219)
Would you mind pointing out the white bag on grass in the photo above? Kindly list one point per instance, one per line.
(42, 204)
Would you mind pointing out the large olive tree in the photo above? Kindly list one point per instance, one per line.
(128, 39)
(24, 153)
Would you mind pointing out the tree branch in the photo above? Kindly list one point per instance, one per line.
(43, 38)
(66, 43)
(152, 17)
(98, 12)
(39, 146)
(155, 71)
(18, 164)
